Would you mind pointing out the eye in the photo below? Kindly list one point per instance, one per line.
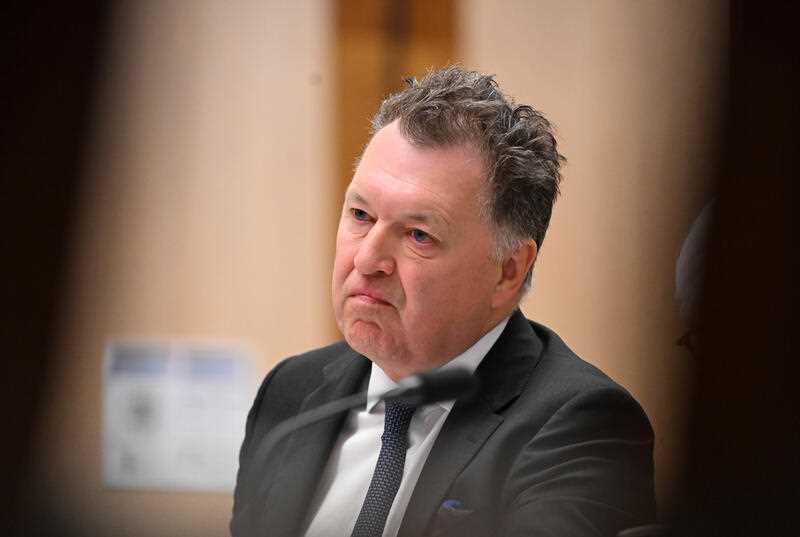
(420, 236)
(360, 215)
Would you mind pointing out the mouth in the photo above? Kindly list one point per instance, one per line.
(369, 297)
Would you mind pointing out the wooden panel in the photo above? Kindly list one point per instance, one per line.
(378, 43)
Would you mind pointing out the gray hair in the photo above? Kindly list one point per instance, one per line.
(454, 106)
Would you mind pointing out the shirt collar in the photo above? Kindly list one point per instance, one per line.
(470, 359)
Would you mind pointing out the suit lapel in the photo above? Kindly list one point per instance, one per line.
(306, 451)
(464, 432)
(503, 373)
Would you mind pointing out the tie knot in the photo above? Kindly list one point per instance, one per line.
(398, 417)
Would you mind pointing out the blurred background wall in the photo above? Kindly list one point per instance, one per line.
(636, 90)
(223, 136)
(206, 215)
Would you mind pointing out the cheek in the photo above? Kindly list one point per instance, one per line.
(447, 292)
(426, 291)
(343, 260)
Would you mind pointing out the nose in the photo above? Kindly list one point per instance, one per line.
(374, 255)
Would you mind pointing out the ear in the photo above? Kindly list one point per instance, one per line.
(512, 274)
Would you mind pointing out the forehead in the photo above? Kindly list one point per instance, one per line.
(394, 170)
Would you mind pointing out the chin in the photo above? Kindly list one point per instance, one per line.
(371, 340)
(363, 337)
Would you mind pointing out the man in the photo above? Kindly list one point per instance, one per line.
(439, 232)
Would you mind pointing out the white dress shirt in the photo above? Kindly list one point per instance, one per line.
(344, 482)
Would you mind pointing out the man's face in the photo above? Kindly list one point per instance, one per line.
(413, 280)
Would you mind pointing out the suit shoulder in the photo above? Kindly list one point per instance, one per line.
(288, 383)
(566, 376)
(307, 368)
(315, 358)
(558, 359)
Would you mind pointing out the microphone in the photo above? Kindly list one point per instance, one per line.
(420, 389)
(433, 386)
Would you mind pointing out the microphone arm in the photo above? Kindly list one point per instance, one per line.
(422, 388)
(307, 418)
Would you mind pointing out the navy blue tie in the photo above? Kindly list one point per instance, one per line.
(388, 471)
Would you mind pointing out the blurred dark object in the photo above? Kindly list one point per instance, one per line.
(52, 55)
(744, 452)
(651, 530)
(690, 272)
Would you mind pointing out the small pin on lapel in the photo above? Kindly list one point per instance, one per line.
(451, 504)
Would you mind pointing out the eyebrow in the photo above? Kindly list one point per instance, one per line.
(355, 196)
(424, 217)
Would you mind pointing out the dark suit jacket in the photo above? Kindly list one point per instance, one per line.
(549, 446)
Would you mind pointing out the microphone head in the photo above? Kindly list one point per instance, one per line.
(433, 386)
